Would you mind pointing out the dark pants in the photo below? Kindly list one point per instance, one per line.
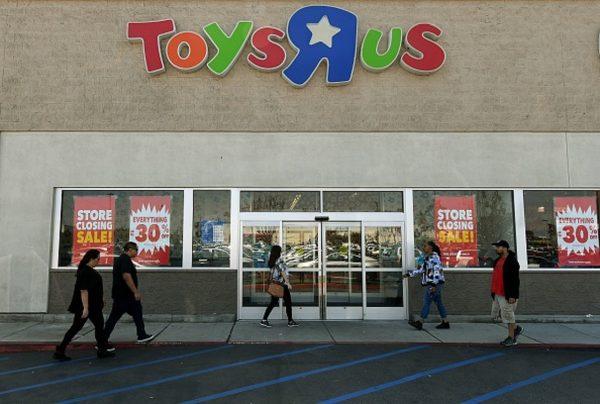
(97, 319)
(287, 300)
(130, 306)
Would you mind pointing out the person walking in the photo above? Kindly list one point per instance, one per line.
(126, 295)
(280, 275)
(87, 302)
(432, 279)
(505, 290)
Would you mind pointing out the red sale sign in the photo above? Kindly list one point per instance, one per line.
(93, 227)
(455, 224)
(577, 231)
(150, 228)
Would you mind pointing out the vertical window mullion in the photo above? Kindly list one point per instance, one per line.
(188, 227)
(520, 237)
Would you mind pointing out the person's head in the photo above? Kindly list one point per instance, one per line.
(90, 259)
(502, 247)
(130, 249)
(431, 247)
(275, 254)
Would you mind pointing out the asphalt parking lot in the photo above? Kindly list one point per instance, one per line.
(305, 373)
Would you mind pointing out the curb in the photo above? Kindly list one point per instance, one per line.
(9, 347)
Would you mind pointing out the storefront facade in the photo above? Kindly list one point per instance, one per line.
(207, 169)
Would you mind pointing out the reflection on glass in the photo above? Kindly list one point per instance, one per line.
(541, 231)
(343, 246)
(210, 244)
(384, 289)
(254, 289)
(383, 247)
(362, 201)
(344, 289)
(280, 201)
(300, 247)
(257, 242)
(305, 288)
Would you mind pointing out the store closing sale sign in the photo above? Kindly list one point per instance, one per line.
(93, 227)
(455, 224)
(317, 33)
(577, 231)
(150, 228)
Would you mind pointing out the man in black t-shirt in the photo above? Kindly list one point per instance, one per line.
(126, 295)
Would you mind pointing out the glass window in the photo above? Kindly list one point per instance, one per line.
(280, 201)
(384, 289)
(256, 243)
(464, 224)
(562, 229)
(106, 220)
(211, 240)
(362, 201)
(383, 247)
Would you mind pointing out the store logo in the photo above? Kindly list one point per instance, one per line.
(317, 34)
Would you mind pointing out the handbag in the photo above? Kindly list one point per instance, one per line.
(274, 289)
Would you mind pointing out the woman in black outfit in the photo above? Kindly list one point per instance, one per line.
(280, 275)
(87, 302)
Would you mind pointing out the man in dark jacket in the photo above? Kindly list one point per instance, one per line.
(505, 290)
(126, 295)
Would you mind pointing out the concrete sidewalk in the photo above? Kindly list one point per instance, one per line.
(39, 334)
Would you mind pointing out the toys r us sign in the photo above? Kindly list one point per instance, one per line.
(318, 33)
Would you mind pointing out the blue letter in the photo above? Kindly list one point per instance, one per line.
(322, 33)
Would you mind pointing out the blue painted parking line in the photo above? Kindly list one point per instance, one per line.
(191, 374)
(302, 374)
(413, 377)
(110, 370)
(531, 380)
(44, 366)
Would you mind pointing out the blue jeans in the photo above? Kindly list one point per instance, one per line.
(436, 297)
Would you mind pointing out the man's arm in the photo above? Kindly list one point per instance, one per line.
(85, 303)
(129, 281)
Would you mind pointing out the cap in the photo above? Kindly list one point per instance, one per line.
(501, 243)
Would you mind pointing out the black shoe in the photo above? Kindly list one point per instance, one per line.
(146, 338)
(417, 324)
(265, 323)
(60, 356)
(105, 354)
(518, 331)
(444, 325)
(508, 342)
(292, 323)
(109, 348)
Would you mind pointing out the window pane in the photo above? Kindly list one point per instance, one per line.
(257, 242)
(464, 224)
(383, 247)
(280, 201)
(384, 289)
(342, 246)
(254, 289)
(344, 288)
(362, 201)
(300, 245)
(211, 241)
(305, 288)
(562, 229)
(106, 220)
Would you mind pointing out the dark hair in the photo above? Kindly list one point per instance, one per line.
(130, 246)
(435, 248)
(88, 256)
(275, 254)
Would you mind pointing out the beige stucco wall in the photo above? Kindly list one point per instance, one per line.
(511, 66)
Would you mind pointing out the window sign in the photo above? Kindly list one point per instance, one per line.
(577, 231)
(150, 229)
(318, 34)
(94, 224)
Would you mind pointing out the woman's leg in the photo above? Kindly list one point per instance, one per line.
(287, 299)
(274, 302)
(77, 325)
(440, 303)
(98, 320)
(426, 303)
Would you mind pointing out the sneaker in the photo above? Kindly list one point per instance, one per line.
(265, 323)
(292, 323)
(146, 338)
(508, 342)
(60, 356)
(417, 324)
(109, 348)
(518, 331)
(444, 325)
(105, 354)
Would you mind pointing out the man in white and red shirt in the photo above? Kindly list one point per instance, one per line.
(505, 290)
